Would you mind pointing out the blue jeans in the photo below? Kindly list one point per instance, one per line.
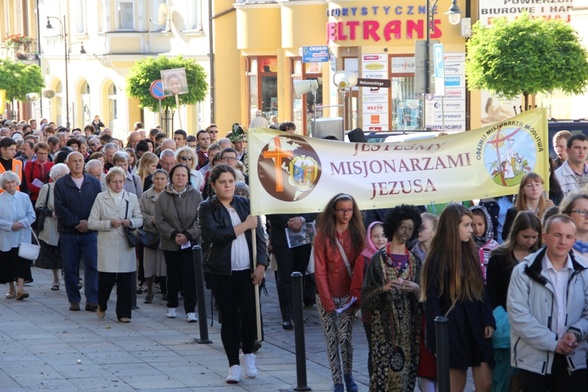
(74, 247)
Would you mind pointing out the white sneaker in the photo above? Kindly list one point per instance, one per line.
(191, 317)
(248, 361)
(171, 313)
(234, 374)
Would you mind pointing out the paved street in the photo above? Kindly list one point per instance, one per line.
(44, 346)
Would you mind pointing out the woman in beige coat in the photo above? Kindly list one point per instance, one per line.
(153, 259)
(113, 210)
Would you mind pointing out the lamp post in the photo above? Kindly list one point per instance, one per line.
(66, 54)
(453, 16)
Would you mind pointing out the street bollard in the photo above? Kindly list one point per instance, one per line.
(203, 324)
(299, 333)
(442, 338)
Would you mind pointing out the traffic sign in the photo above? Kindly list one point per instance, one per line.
(362, 82)
(156, 89)
(315, 54)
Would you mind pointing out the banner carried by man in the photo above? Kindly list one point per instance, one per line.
(294, 174)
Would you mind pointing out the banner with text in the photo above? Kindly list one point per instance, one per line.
(295, 174)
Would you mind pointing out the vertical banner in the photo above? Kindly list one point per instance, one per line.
(375, 99)
(297, 174)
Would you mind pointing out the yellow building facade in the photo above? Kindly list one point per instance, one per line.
(375, 39)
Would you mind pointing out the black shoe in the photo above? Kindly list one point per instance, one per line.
(91, 307)
(288, 324)
(256, 345)
(309, 303)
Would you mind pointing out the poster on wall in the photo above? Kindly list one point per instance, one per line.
(375, 101)
(496, 108)
(451, 107)
(492, 9)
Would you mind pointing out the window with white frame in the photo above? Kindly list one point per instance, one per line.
(193, 12)
(125, 15)
(159, 13)
(80, 16)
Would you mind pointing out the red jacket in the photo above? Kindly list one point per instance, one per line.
(36, 170)
(332, 278)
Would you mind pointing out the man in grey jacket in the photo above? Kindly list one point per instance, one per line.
(548, 311)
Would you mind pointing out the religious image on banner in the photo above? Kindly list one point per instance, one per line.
(509, 154)
(291, 165)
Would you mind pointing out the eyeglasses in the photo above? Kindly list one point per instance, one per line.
(187, 158)
(344, 212)
(228, 159)
(582, 213)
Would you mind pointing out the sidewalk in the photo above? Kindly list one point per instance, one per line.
(44, 346)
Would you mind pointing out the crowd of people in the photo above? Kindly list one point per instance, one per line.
(509, 273)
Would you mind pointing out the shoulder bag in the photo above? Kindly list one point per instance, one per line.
(29, 251)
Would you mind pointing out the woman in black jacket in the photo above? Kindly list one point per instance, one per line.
(226, 225)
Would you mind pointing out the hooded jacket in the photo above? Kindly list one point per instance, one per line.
(531, 311)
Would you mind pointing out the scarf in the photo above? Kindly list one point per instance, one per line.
(116, 196)
(581, 246)
(488, 235)
(370, 248)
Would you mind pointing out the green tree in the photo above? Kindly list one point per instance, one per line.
(19, 79)
(526, 56)
(145, 71)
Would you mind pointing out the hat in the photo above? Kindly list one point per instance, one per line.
(237, 134)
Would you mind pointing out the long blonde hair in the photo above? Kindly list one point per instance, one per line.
(452, 262)
(147, 159)
(521, 203)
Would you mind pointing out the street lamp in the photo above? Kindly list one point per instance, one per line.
(63, 36)
(454, 16)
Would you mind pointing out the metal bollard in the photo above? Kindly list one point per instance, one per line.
(442, 338)
(301, 382)
(203, 324)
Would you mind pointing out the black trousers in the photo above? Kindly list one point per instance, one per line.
(290, 260)
(180, 271)
(560, 380)
(235, 297)
(124, 291)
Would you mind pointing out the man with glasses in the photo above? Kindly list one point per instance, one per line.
(213, 132)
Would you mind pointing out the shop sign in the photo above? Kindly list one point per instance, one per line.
(315, 54)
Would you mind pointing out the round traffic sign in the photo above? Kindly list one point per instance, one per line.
(156, 89)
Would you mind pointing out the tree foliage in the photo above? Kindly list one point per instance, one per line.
(526, 56)
(145, 71)
(19, 79)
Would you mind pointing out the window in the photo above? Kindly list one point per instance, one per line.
(159, 14)
(112, 102)
(407, 111)
(193, 12)
(80, 17)
(125, 15)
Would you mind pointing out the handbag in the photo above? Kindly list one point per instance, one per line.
(148, 239)
(29, 251)
(131, 233)
(43, 212)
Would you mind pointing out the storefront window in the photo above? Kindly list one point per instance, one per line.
(263, 83)
(407, 111)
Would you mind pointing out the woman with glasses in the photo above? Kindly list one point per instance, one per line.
(339, 241)
(531, 197)
(575, 205)
(391, 296)
(37, 172)
(187, 156)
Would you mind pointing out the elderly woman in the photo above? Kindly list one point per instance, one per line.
(50, 256)
(16, 216)
(153, 259)
(132, 183)
(187, 156)
(113, 211)
(176, 213)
